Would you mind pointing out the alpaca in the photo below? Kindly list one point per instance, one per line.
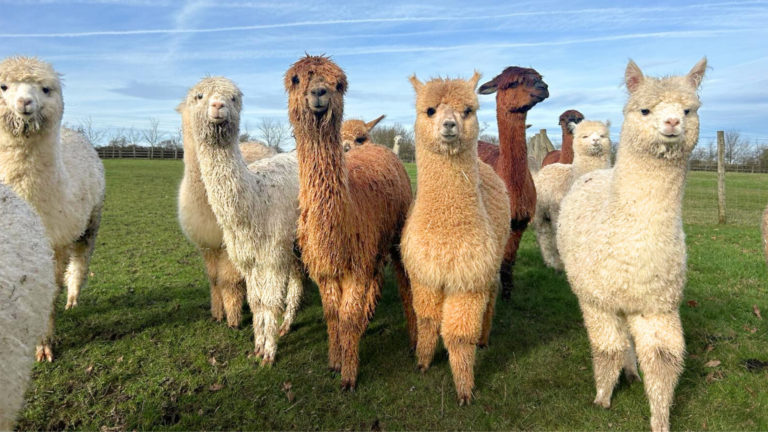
(199, 225)
(27, 290)
(592, 145)
(357, 132)
(518, 90)
(453, 241)
(565, 155)
(56, 170)
(396, 144)
(256, 207)
(353, 209)
(620, 236)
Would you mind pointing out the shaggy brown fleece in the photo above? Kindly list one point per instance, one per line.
(357, 132)
(517, 91)
(352, 212)
(565, 155)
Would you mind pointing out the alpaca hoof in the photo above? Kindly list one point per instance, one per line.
(422, 368)
(267, 360)
(284, 330)
(71, 302)
(44, 353)
(258, 352)
(632, 377)
(603, 403)
(334, 368)
(348, 384)
(465, 400)
(482, 345)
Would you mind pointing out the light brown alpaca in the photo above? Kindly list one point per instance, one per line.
(357, 132)
(353, 209)
(454, 238)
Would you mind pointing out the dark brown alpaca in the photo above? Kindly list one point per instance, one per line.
(353, 210)
(564, 156)
(517, 91)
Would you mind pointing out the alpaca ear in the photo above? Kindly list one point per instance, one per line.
(417, 85)
(528, 126)
(182, 106)
(571, 126)
(475, 79)
(608, 123)
(371, 124)
(696, 75)
(633, 76)
(488, 88)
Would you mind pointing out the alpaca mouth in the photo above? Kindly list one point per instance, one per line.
(318, 108)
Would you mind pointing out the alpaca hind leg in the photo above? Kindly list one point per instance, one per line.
(630, 359)
(358, 303)
(428, 306)
(461, 328)
(485, 336)
(211, 259)
(508, 264)
(406, 296)
(60, 261)
(82, 249)
(231, 287)
(44, 351)
(293, 298)
(545, 236)
(660, 349)
(609, 345)
(254, 302)
(330, 294)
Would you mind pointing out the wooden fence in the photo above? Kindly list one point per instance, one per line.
(139, 153)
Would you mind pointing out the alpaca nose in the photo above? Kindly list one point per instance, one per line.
(672, 121)
(319, 91)
(449, 125)
(217, 104)
(23, 103)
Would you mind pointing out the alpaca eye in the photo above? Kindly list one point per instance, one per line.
(687, 112)
(584, 137)
(360, 140)
(46, 90)
(339, 87)
(234, 99)
(602, 136)
(3, 87)
(199, 96)
(430, 112)
(295, 80)
(467, 112)
(645, 111)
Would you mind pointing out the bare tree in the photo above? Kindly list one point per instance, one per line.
(152, 135)
(273, 133)
(85, 126)
(736, 148)
(117, 140)
(490, 138)
(385, 135)
(245, 133)
(134, 137)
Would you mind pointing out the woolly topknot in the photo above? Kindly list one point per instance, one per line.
(302, 71)
(29, 69)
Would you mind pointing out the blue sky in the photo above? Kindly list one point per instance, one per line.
(125, 61)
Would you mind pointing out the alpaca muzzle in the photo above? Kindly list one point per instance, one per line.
(318, 99)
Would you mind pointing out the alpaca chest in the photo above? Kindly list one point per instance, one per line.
(196, 217)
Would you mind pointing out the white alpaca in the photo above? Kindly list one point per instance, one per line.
(54, 169)
(592, 151)
(256, 207)
(620, 236)
(199, 225)
(27, 290)
(396, 146)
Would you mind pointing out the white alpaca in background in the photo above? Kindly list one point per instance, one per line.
(396, 146)
(256, 207)
(620, 236)
(592, 151)
(54, 169)
(27, 290)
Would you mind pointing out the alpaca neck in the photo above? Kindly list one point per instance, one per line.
(566, 151)
(585, 164)
(458, 180)
(513, 154)
(191, 165)
(33, 165)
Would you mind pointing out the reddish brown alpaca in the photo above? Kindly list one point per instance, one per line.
(564, 156)
(353, 210)
(517, 91)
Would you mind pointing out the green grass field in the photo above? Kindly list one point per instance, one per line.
(142, 352)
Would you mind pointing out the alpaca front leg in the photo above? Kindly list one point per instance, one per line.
(330, 294)
(406, 296)
(661, 348)
(211, 259)
(254, 302)
(270, 286)
(358, 302)
(44, 351)
(60, 262)
(546, 237)
(293, 298)
(81, 251)
(508, 264)
(485, 336)
(609, 345)
(461, 328)
(630, 361)
(229, 283)
(428, 307)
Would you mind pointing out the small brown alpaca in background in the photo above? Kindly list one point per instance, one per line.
(357, 132)
(517, 91)
(565, 155)
(352, 208)
(453, 241)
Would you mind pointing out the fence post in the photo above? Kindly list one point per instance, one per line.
(721, 176)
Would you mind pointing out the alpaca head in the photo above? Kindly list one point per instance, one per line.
(661, 116)
(446, 114)
(591, 138)
(316, 87)
(517, 89)
(568, 117)
(357, 132)
(212, 108)
(30, 96)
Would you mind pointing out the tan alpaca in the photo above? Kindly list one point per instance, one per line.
(592, 148)
(454, 237)
(620, 236)
(199, 225)
(357, 132)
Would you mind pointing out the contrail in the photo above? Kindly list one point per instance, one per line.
(368, 21)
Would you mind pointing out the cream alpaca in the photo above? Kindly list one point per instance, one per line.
(27, 290)
(199, 225)
(56, 170)
(256, 207)
(620, 236)
(454, 238)
(592, 151)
